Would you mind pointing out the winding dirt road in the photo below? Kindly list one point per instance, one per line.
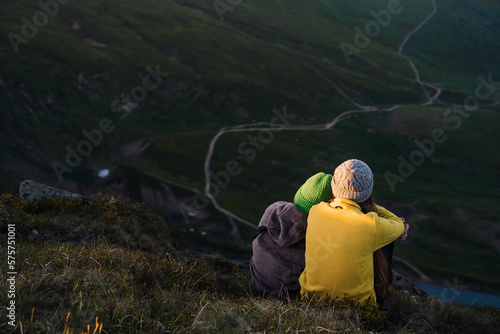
(268, 126)
(417, 28)
(414, 68)
(320, 127)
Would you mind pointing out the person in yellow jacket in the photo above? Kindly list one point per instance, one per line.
(341, 239)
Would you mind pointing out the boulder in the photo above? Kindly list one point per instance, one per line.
(32, 190)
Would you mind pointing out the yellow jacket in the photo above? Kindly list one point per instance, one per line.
(340, 241)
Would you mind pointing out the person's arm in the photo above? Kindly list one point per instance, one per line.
(384, 213)
(388, 227)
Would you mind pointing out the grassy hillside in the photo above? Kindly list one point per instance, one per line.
(66, 78)
(103, 265)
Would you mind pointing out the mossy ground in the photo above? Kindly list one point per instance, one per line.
(130, 277)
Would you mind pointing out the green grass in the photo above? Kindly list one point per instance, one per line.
(119, 282)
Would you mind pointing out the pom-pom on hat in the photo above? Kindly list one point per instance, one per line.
(315, 190)
(353, 180)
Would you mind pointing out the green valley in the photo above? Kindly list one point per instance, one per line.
(239, 73)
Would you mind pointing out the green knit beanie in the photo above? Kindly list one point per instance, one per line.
(318, 188)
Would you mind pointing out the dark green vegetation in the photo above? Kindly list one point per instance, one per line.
(103, 262)
(223, 73)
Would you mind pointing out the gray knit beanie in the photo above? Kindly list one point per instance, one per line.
(353, 180)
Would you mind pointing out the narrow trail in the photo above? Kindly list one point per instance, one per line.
(266, 126)
(412, 267)
(337, 88)
(417, 28)
(262, 126)
(423, 84)
(414, 68)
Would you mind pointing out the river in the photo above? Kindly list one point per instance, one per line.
(463, 297)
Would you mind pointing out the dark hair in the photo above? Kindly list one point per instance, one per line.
(380, 266)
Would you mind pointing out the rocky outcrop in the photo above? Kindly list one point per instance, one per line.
(32, 190)
(399, 282)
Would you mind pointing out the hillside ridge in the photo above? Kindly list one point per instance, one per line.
(103, 264)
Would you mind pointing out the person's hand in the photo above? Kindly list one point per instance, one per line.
(404, 235)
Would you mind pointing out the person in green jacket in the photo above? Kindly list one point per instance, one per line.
(343, 237)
